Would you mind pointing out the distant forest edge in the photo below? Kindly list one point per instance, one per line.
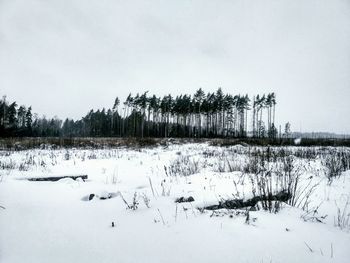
(185, 116)
(211, 115)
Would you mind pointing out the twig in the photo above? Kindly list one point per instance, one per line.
(176, 213)
(128, 206)
(331, 250)
(185, 210)
(193, 210)
(150, 182)
(309, 247)
(161, 216)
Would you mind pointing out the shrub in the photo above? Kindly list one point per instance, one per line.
(182, 166)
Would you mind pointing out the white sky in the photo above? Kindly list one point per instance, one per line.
(65, 57)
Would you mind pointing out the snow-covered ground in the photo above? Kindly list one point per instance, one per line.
(55, 222)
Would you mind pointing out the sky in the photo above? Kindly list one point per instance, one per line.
(65, 57)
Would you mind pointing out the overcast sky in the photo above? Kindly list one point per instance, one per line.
(65, 57)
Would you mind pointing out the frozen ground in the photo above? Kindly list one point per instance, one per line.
(53, 222)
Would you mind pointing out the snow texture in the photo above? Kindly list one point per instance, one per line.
(56, 221)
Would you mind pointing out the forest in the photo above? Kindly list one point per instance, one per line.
(200, 115)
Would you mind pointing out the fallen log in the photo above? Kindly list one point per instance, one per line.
(56, 178)
(240, 203)
(101, 196)
(184, 199)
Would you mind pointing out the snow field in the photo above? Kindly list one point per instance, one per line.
(51, 222)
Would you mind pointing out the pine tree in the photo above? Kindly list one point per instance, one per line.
(28, 121)
(199, 97)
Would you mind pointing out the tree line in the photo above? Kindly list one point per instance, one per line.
(210, 115)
